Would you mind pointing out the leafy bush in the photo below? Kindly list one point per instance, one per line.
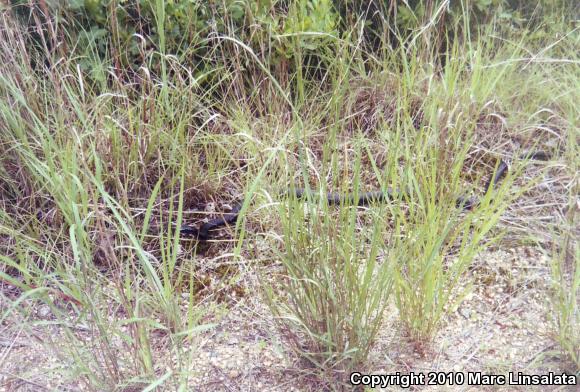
(177, 26)
(130, 33)
(171, 26)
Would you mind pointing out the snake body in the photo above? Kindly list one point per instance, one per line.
(206, 230)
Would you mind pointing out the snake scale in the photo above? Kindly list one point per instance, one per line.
(207, 230)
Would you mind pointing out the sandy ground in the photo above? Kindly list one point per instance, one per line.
(502, 326)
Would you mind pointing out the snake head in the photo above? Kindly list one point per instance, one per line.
(467, 203)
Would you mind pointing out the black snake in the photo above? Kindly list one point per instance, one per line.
(206, 230)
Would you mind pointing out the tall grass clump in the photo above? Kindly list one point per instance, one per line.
(434, 239)
(329, 297)
(93, 187)
(434, 246)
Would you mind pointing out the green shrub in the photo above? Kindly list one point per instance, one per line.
(128, 31)
(114, 24)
